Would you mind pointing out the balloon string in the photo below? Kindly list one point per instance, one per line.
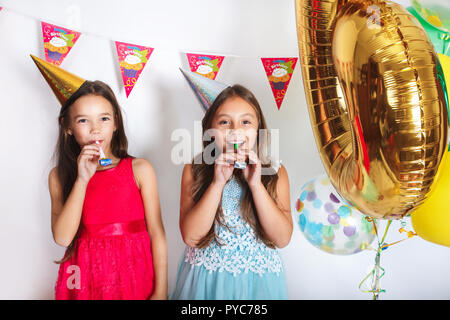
(385, 232)
(377, 269)
(375, 279)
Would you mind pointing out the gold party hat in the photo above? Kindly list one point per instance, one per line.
(62, 82)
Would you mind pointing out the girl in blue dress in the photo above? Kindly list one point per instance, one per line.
(233, 219)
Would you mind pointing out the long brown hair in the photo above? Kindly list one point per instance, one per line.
(203, 172)
(68, 150)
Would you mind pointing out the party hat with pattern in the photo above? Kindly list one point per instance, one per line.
(62, 82)
(204, 88)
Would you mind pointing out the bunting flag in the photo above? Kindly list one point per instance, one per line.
(57, 42)
(132, 60)
(205, 65)
(279, 72)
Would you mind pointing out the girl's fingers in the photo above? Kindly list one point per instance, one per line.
(88, 157)
(240, 156)
(90, 149)
(227, 157)
(91, 146)
(90, 152)
(253, 157)
(223, 163)
(226, 154)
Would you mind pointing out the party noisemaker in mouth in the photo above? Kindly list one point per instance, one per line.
(103, 160)
(239, 164)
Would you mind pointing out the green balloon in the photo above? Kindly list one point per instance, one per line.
(439, 38)
(441, 42)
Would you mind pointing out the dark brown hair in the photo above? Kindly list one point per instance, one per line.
(68, 150)
(203, 173)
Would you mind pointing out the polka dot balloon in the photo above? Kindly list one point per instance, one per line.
(328, 222)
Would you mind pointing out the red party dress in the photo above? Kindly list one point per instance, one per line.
(112, 258)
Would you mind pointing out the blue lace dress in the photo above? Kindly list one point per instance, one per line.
(243, 267)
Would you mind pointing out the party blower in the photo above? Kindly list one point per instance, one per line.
(239, 164)
(103, 161)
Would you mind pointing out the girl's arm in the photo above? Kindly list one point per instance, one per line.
(274, 216)
(66, 216)
(196, 219)
(146, 180)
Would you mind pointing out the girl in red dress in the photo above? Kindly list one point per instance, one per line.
(108, 217)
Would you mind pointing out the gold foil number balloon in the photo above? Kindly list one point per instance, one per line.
(375, 100)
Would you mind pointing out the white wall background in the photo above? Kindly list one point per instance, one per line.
(160, 103)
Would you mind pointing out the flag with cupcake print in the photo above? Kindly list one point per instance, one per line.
(58, 42)
(279, 72)
(132, 60)
(205, 65)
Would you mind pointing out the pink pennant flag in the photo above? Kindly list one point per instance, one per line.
(279, 72)
(205, 65)
(132, 60)
(58, 42)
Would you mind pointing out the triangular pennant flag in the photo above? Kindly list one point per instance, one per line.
(279, 72)
(132, 60)
(57, 42)
(205, 65)
(205, 89)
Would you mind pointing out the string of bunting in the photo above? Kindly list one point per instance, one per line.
(132, 58)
